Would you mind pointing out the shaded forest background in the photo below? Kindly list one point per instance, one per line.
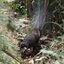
(16, 21)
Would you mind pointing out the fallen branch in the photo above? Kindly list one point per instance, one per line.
(9, 54)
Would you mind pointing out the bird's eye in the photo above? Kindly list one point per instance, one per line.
(25, 48)
(29, 49)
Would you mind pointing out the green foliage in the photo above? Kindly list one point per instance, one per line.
(5, 41)
(3, 16)
(61, 37)
(1, 1)
(57, 62)
(16, 24)
(18, 7)
(48, 52)
(56, 9)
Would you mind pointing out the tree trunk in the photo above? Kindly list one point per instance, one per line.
(29, 9)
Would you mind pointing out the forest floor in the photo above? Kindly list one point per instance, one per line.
(52, 53)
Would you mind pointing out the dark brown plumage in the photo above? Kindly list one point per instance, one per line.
(30, 45)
